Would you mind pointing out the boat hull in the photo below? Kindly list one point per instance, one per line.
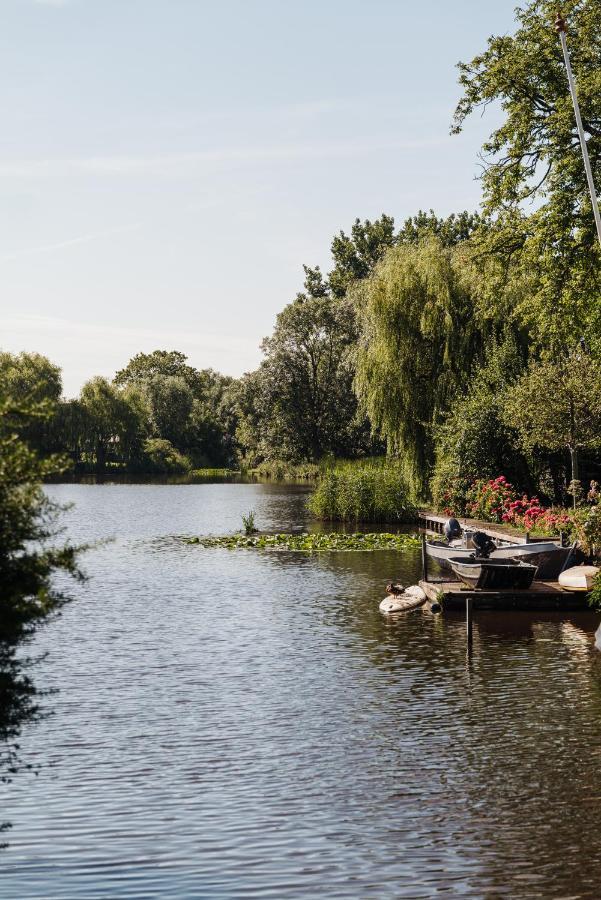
(494, 574)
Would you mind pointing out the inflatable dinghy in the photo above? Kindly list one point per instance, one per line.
(578, 578)
(411, 598)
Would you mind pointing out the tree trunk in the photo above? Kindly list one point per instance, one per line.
(574, 462)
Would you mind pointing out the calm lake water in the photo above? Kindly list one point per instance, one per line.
(237, 724)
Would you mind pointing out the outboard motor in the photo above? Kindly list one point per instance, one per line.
(482, 544)
(452, 530)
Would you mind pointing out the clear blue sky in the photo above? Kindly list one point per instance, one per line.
(166, 166)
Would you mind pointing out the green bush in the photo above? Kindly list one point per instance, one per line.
(594, 596)
(161, 456)
(363, 492)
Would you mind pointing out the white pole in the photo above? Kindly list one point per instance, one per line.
(560, 25)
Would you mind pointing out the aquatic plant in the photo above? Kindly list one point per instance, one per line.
(312, 543)
(362, 492)
(248, 522)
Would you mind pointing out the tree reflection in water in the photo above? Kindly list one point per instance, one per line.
(18, 706)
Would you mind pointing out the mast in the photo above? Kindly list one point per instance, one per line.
(560, 27)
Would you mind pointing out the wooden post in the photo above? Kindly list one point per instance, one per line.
(424, 559)
(527, 537)
(468, 621)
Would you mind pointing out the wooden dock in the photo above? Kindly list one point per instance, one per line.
(453, 595)
(435, 523)
(543, 595)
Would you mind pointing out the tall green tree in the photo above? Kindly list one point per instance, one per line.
(31, 378)
(556, 405)
(474, 440)
(30, 551)
(303, 401)
(189, 411)
(356, 255)
(113, 421)
(143, 367)
(419, 341)
(533, 178)
(171, 401)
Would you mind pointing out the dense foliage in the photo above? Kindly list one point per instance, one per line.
(29, 552)
(363, 493)
(419, 338)
(533, 179)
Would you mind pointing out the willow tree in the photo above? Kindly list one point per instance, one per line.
(419, 339)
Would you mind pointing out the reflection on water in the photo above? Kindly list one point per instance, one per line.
(18, 707)
(240, 724)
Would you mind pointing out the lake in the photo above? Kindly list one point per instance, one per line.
(245, 724)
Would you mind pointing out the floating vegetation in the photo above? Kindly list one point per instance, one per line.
(311, 543)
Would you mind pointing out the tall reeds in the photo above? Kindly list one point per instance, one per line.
(363, 492)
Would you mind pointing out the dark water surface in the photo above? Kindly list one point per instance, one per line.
(236, 724)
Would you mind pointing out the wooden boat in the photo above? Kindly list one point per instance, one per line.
(493, 574)
(549, 557)
(578, 578)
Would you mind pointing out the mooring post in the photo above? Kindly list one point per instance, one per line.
(424, 559)
(468, 620)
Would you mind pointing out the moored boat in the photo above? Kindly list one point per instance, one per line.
(493, 574)
(549, 557)
(578, 578)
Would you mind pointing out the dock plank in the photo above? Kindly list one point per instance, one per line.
(543, 595)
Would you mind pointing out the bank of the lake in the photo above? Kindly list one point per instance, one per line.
(247, 724)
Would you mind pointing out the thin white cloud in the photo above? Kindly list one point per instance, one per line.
(70, 242)
(193, 163)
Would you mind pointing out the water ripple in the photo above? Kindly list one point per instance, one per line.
(245, 725)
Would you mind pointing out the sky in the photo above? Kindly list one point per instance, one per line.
(167, 166)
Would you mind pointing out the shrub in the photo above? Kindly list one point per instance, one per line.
(490, 500)
(163, 457)
(362, 492)
(594, 597)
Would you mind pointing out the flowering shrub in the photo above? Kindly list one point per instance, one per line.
(496, 500)
(490, 500)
